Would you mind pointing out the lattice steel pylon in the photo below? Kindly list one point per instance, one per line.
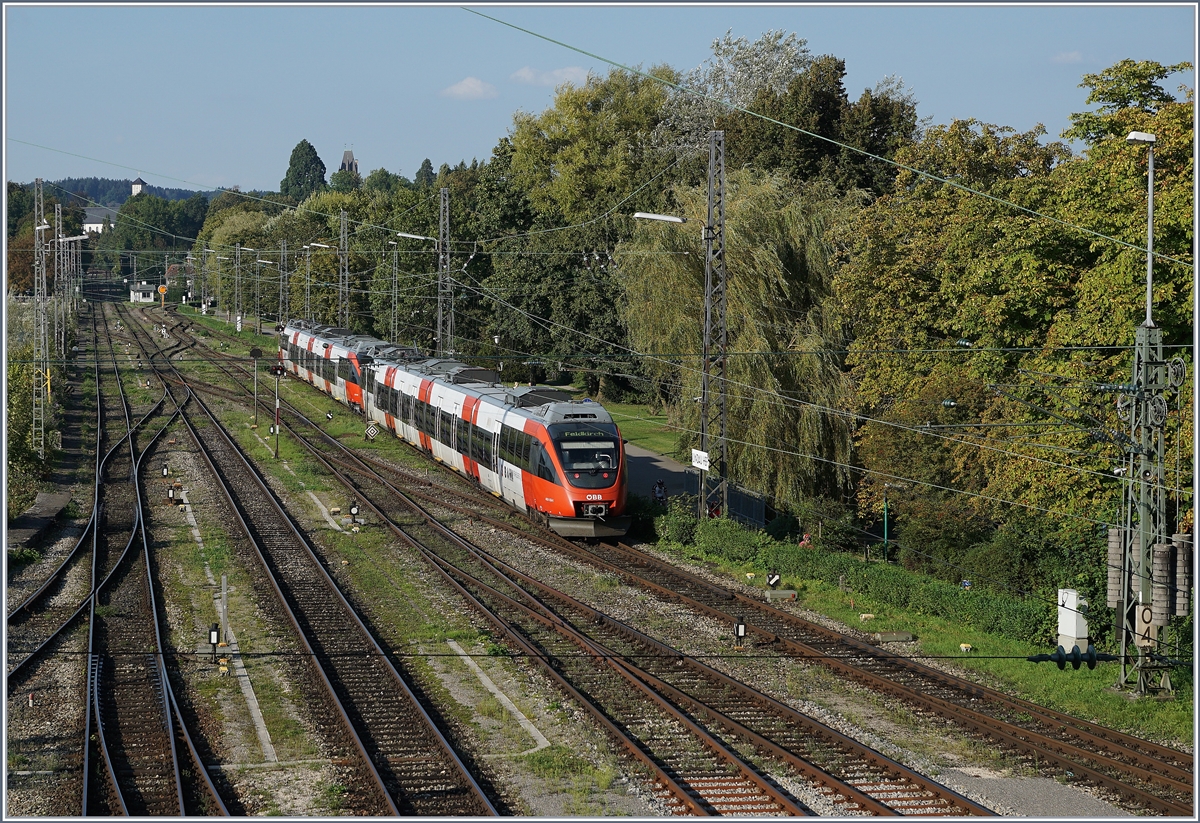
(1148, 591)
(445, 301)
(343, 275)
(714, 496)
(1142, 611)
(237, 283)
(395, 289)
(41, 354)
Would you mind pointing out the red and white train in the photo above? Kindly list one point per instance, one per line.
(558, 460)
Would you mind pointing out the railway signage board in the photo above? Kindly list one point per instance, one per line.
(372, 431)
(700, 459)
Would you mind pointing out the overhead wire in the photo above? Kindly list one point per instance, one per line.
(731, 107)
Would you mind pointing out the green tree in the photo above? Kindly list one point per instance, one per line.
(880, 122)
(345, 180)
(1129, 84)
(382, 180)
(787, 391)
(425, 176)
(305, 173)
(591, 148)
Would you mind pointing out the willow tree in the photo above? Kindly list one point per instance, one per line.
(788, 433)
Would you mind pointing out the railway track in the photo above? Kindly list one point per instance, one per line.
(133, 763)
(1143, 774)
(597, 660)
(411, 769)
(121, 702)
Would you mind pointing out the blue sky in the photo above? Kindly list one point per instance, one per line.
(206, 96)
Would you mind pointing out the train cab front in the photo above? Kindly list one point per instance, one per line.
(593, 463)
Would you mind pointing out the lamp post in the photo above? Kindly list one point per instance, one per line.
(443, 276)
(1148, 140)
(318, 246)
(715, 329)
(257, 310)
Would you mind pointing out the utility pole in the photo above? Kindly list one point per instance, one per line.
(283, 303)
(41, 385)
(237, 285)
(308, 283)
(395, 287)
(713, 415)
(445, 304)
(56, 300)
(343, 276)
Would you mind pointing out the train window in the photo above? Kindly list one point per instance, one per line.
(445, 428)
(463, 443)
(542, 465)
(506, 434)
(526, 448)
(482, 451)
(476, 443)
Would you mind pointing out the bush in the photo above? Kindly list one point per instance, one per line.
(678, 523)
(728, 540)
(645, 513)
(783, 527)
(1031, 620)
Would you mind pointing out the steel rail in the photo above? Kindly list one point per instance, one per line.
(399, 681)
(864, 801)
(1056, 752)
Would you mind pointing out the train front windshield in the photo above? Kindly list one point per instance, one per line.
(590, 453)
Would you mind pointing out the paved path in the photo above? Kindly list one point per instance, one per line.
(646, 468)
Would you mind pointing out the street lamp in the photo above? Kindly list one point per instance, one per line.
(1142, 138)
(666, 218)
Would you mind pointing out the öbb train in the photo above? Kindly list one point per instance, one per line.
(559, 461)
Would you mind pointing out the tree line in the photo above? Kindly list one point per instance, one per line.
(913, 308)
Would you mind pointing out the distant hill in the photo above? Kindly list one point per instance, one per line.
(109, 192)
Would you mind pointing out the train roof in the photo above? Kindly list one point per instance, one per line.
(357, 343)
(548, 404)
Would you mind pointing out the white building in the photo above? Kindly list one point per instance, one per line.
(143, 292)
(93, 218)
(139, 186)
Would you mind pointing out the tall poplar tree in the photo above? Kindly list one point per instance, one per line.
(305, 174)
